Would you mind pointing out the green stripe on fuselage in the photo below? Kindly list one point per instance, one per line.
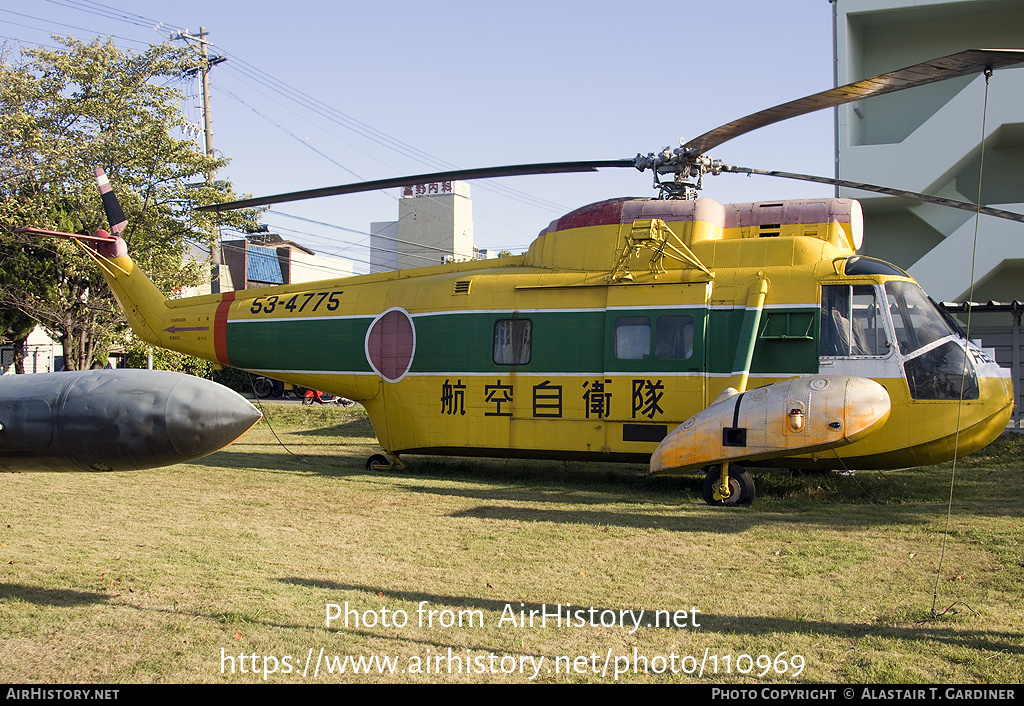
(320, 344)
(563, 342)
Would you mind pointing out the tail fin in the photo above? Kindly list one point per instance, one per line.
(143, 304)
(197, 326)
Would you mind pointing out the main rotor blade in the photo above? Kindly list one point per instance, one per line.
(457, 175)
(965, 63)
(888, 191)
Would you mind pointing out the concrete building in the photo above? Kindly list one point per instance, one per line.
(435, 225)
(931, 139)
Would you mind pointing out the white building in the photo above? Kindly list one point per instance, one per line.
(435, 225)
(42, 354)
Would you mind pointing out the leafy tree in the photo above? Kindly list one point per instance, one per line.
(138, 352)
(64, 112)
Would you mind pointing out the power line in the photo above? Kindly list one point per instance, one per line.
(241, 68)
(64, 24)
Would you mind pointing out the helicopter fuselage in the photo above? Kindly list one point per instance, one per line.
(623, 320)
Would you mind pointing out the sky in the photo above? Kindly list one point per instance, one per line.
(320, 93)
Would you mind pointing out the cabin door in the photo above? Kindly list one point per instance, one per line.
(654, 362)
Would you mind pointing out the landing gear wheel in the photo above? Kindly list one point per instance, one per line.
(377, 460)
(741, 486)
(262, 387)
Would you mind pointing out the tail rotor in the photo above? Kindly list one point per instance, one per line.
(111, 206)
(108, 244)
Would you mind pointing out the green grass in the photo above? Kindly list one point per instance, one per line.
(148, 576)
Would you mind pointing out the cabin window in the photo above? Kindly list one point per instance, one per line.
(674, 338)
(632, 337)
(512, 341)
(852, 321)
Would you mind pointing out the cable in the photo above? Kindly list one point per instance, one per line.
(319, 108)
(64, 24)
(967, 354)
(259, 402)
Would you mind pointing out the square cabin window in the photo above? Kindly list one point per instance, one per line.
(674, 338)
(512, 341)
(632, 337)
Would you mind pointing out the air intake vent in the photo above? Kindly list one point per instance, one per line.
(770, 230)
(462, 286)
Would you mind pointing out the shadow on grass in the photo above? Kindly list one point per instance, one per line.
(908, 496)
(693, 515)
(727, 521)
(986, 486)
(285, 462)
(882, 497)
(49, 596)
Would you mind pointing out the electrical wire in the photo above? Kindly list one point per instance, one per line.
(305, 101)
(64, 24)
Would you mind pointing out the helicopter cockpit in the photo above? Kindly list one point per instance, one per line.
(895, 323)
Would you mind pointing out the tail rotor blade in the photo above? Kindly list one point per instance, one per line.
(115, 215)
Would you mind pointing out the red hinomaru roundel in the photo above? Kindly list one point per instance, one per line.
(390, 344)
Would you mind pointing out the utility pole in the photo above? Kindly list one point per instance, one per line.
(204, 77)
(204, 73)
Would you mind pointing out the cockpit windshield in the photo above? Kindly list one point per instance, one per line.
(853, 326)
(916, 320)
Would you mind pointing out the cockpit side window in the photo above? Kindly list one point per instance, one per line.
(852, 321)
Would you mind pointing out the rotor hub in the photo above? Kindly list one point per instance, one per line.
(688, 165)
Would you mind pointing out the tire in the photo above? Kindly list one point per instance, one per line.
(377, 460)
(741, 486)
(262, 387)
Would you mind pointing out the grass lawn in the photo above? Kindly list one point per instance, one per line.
(226, 570)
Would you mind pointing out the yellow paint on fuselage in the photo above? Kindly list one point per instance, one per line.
(569, 270)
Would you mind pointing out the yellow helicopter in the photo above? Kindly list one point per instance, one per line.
(674, 330)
